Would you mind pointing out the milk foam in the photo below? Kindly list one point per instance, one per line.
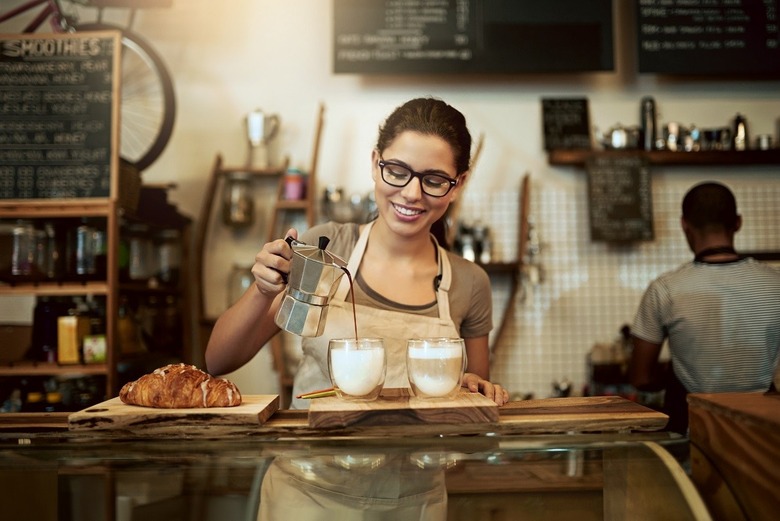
(357, 372)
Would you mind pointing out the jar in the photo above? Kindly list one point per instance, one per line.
(168, 243)
(140, 253)
(238, 204)
(241, 279)
(24, 251)
(294, 185)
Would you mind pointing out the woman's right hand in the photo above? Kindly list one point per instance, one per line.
(272, 264)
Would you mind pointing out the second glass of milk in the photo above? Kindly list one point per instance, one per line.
(435, 366)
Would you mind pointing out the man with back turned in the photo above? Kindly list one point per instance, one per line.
(720, 313)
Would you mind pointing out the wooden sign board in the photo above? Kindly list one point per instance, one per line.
(620, 199)
(59, 115)
(566, 123)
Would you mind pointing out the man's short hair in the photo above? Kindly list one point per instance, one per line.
(709, 205)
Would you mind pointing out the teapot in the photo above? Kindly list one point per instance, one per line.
(312, 282)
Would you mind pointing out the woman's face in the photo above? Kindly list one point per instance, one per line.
(408, 210)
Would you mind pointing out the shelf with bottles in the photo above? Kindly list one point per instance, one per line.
(579, 157)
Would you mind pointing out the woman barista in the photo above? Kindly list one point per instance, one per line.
(406, 284)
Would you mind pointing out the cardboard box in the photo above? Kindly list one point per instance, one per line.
(71, 331)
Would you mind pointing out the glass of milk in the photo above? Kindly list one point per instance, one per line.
(357, 367)
(435, 366)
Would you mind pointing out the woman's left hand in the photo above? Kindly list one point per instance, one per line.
(495, 392)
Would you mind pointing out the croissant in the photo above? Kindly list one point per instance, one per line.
(180, 386)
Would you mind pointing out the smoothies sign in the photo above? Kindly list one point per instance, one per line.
(58, 115)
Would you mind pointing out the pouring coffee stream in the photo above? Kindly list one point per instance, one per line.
(313, 280)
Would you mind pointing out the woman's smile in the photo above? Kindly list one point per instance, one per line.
(407, 211)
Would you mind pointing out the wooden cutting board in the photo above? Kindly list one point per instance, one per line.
(398, 407)
(115, 415)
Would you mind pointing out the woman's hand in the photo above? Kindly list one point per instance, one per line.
(272, 264)
(476, 384)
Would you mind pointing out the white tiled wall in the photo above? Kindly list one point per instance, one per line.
(588, 290)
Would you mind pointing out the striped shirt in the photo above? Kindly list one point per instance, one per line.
(722, 322)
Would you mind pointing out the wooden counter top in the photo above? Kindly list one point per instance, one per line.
(543, 416)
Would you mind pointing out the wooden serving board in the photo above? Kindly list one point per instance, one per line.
(398, 407)
(115, 415)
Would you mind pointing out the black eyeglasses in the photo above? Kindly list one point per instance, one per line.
(435, 185)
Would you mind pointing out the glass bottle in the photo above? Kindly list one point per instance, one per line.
(169, 257)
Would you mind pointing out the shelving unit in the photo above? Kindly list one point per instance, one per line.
(111, 288)
(669, 158)
(70, 208)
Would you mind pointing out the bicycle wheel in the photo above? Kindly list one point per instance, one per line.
(148, 103)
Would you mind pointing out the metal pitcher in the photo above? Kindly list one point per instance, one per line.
(312, 282)
(261, 128)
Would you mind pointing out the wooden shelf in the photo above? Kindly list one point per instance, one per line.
(27, 368)
(54, 288)
(665, 157)
(40, 208)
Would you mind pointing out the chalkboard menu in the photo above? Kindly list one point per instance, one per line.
(566, 123)
(620, 201)
(709, 37)
(58, 108)
(472, 36)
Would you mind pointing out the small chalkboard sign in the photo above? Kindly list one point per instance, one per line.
(566, 123)
(59, 115)
(620, 199)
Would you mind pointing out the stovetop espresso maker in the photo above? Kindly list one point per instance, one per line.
(312, 282)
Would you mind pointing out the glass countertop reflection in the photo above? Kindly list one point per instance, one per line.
(578, 476)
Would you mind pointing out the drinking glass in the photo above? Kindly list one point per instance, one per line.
(435, 366)
(357, 367)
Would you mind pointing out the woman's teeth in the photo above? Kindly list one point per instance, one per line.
(407, 211)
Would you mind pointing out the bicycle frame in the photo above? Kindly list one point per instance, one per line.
(52, 9)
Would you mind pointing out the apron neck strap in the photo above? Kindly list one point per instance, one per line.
(444, 278)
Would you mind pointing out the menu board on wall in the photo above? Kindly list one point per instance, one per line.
(472, 36)
(715, 37)
(619, 195)
(58, 108)
(566, 123)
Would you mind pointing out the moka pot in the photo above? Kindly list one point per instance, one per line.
(313, 280)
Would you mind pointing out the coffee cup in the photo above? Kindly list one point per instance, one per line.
(435, 366)
(357, 367)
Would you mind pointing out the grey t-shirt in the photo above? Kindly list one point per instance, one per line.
(471, 305)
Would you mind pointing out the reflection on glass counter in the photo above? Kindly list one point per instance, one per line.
(582, 477)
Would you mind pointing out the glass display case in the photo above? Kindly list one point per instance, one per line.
(608, 476)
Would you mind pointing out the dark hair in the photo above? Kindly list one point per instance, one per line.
(710, 205)
(434, 117)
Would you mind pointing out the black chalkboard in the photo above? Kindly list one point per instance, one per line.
(566, 123)
(709, 37)
(58, 115)
(472, 36)
(620, 202)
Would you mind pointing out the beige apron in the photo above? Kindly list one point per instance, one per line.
(311, 489)
(395, 327)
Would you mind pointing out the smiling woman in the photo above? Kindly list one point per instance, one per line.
(406, 284)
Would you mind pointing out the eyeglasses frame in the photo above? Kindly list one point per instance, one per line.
(382, 164)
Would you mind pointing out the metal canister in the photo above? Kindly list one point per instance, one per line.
(649, 123)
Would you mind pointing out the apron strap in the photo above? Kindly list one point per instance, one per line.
(445, 271)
